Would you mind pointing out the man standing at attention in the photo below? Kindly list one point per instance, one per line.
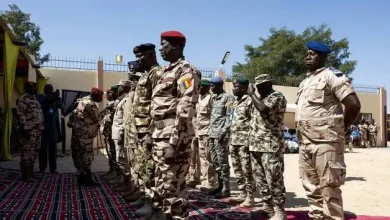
(222, 108)
(321, 123)
(85, 127)
(173, 107)
(266, 144)
(373, 132)
(239, 144)
(30, 127)
(141, 119)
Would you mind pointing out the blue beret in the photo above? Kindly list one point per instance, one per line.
(143, 47)
(318, 47)
(242, 81)
(216, 80)
(133, 66)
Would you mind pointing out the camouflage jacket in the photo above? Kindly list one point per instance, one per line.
(143, 99)
(373, 128)
(221, 110)
(203, 114)
(266, 133)
(29, 113)
(86, 118)
(173, 101)
(107, 114)
(118, 127)
(239, 131)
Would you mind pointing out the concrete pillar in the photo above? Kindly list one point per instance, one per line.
(100, 72)
(32, 73)
(383, 117)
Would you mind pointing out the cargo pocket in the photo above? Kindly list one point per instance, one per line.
(335, 175)
(317, 93)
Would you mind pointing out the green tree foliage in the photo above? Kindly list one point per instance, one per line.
(282, 54)
(25, 31)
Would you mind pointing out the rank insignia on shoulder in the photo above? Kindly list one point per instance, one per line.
(187, 83)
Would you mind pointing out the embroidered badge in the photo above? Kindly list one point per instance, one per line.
(187, 83)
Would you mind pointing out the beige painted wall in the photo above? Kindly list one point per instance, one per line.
(85, 80)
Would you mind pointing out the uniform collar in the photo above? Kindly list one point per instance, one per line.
(315, 72)
(174, 64)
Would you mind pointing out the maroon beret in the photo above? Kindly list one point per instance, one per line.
(174, 35)
(96, 91)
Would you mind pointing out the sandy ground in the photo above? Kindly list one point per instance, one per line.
(366, 191)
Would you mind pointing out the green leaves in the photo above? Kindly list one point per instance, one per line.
(25, 31)
(282, 54)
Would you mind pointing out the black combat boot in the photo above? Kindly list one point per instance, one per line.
(217, 190)
(225, 192)
(89, 181)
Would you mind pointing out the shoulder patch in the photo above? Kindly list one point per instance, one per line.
(187, 83)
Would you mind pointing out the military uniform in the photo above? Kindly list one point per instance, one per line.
(30, 122)
(363, 129)
(222, 108)
(141, 124)
(373, 131)
(118, 132)
(239, 146)
(85, 127)
(107, 116)
(265, 146)
(201, 159)
(173, 107)
(320, 122)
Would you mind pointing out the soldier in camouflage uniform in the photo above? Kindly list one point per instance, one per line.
(363, 129)
(222, 108)
(173, 107)
(30, 127)
(105, 128)
(85, 127)
(239, 144)
(141, 119)
(372, 133)
(322, 122)
(118, 129)
(266, 144)
(202, 122)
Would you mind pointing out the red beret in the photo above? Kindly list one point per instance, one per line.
(96, 91)
(174, 34)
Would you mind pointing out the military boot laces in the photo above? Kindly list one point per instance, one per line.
(280, 213)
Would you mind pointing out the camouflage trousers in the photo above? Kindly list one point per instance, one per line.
(241, 161)
(201, 165)
(30, 148)
(220, 156)
(82, 152)
(268, 171)
(323, 170)
(363, 141)
(143, 168)
(372, 139)
(170, 191)
(121, 157)
(110, 148)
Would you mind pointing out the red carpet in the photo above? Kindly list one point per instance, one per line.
(59, 197)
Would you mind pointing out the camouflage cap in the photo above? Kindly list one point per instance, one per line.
(262, 79)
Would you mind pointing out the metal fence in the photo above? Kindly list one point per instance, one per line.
(111, 66)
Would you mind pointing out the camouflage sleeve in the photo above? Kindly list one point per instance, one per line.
(155, 76)
(21, 110)
(188, 93)
(92, 111)
(229, 112)
(272, 101)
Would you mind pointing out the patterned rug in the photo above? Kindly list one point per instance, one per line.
(59, 197)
